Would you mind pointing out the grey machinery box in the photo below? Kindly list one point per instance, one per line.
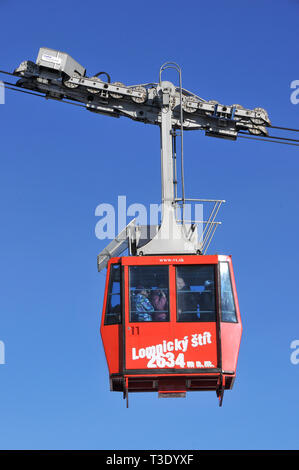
(60, 61)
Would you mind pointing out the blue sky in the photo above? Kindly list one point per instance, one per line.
(58, 163)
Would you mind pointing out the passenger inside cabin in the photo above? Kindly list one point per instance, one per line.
(160, 303)
(187, 301)
(149, 293)
(143, 308)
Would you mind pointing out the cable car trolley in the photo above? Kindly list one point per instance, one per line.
(171, 321)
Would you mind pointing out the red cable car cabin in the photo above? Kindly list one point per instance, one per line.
(171, 324)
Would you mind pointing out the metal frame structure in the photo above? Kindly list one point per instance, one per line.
(56, 75)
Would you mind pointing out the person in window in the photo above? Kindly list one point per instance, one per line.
(187, 302)
(160, 303)
(143, 307)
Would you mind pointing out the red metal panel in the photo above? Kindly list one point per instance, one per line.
(179, 346)
(110, 334)
(230, 344)
(166, 259)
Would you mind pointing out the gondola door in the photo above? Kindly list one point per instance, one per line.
(171, 328)
(196, 327)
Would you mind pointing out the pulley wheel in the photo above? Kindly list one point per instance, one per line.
(115, 95)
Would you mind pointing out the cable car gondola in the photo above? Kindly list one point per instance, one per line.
(171, 324)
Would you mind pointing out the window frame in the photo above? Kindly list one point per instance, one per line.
(232, 291)
(168, 320)
(119, 322)
(215, 314)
